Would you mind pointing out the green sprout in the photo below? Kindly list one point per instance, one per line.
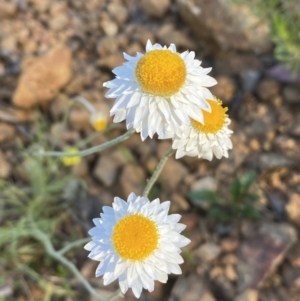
(240, 203)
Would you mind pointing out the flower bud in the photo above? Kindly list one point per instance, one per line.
(69, 161)
(99, 121)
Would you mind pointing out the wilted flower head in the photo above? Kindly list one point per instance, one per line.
(137, 242)
(158, 89)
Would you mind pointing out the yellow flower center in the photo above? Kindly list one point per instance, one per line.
(135, 237)
(214, 121)
(161, 72)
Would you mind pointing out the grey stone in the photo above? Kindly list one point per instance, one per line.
(291, 94)
(293, 255)
(205, 183)
(208, 252)
(295, 127)
(291, 276)
(249, 78)
(261, 253)
(132, 179)
(168, 34)
(109, 27)
(155, 8)
(111, 61)
(118, 12)
(237, 156)
(248, 295)
(226, 23)
(287, 146)
(270, 160)
(225, 89)
(268, 89)
(191, 288)
(108, 166)
(172, 174)
(277, 204)
(222, 288)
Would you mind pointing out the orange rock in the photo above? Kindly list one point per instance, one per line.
(7, 132)
(5, 167)
(7, 9)
(43, 78)
(80, 119)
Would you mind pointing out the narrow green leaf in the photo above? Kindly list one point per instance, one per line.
(235, 190)
(207, 196)
(247, 180)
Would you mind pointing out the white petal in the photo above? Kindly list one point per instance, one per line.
(161, 276)
(123, 282)
(132, 275)
(148, 46)
(101, 269)
(120, 116)
(137, 288)
(175, 268)
(121, 267)
(147, 281)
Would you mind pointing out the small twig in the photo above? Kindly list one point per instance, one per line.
(72, 245)
(86, 152)
(157, 171)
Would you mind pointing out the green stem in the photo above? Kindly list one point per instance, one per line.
(44, 239)
(86, 152)
(157, 171)
(72, 245)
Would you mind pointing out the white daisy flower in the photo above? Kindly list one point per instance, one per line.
(137, 242)
(158, 88)
(212, 137)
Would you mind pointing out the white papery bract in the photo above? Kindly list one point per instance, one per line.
(158, 89)
(137, 242)
(204, 140)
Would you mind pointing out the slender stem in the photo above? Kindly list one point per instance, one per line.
(72, 245)
(157, 171)
(97, 148)
(44, 239)
(81, 100)
(85, 103)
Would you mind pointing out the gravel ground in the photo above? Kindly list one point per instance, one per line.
(71, 46)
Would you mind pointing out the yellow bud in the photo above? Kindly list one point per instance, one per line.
(99, 121)
(69, 161)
